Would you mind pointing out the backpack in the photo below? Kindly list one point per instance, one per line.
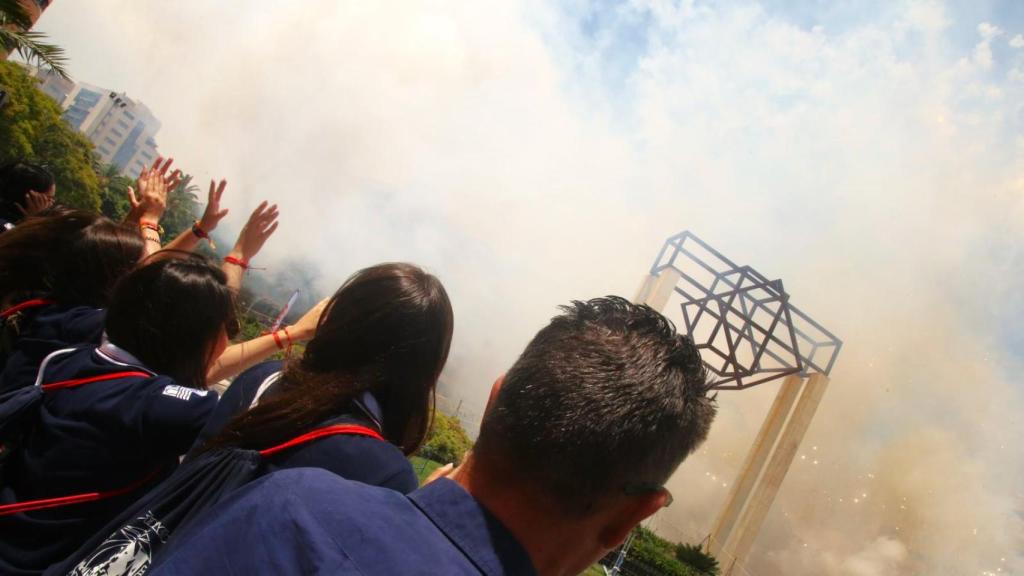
(10, 326)
(127, 545)
(19, 410)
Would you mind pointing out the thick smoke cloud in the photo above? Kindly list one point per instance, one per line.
(530, 155)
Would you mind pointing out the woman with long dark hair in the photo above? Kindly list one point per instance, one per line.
(57, 273)
(115, 418)
(374, 360)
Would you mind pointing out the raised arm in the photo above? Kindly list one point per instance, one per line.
(212, 215)
(240, 357)
(261, 225)
(147, 208)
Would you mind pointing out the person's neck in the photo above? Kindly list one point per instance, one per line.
(552, 542)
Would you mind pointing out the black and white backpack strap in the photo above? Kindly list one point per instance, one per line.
(46, 361)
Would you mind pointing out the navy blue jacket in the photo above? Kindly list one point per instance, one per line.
(97, 437)
(308, 521)
(358, 458)
(44, 330)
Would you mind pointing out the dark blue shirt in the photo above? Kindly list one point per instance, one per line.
(308, 521)
(98, 437)
(358, 458)
(44, 330)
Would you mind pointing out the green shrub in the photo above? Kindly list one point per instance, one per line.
(694, 556)
(447, 441)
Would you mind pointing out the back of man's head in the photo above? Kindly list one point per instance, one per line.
(607, 399)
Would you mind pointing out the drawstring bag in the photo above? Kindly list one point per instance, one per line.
(19, 409)
(127, 545)
(10, 326)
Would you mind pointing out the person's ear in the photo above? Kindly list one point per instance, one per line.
(495, 388)
(629, 511)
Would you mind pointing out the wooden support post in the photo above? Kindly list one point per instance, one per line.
(656, 290)
(723, 536)
(768, 488)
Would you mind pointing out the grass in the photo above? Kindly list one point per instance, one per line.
(423, 467)
(594, 570)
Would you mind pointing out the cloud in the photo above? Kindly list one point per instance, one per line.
(514, 149)
(983, 49)
(1017, 41)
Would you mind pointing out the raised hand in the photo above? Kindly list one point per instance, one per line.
(213, 214)
(306, 326)
(153, 186)
(35, 202)
(261, 226)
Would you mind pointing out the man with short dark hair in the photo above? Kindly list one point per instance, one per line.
(576, 444)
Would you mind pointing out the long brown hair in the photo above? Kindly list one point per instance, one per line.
(72, 256)
(387, 330)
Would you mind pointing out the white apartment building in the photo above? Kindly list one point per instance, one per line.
(122, 129)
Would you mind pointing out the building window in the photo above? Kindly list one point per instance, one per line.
(103, 150)
(117, 132)
(109, 140)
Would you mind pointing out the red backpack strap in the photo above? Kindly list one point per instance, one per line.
(43, 504)
(349, 429)
(101, 378)
(24, 306)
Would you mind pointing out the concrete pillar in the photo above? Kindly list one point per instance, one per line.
(724, 536)
(767, 489)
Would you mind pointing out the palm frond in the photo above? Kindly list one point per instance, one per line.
(33, 48)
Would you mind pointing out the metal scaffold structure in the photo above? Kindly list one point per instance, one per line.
(749, 333)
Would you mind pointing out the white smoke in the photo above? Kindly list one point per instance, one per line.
(532, 154)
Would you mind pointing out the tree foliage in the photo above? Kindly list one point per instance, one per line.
(652, 554)
(694, 556)
(113, 192)
(31, 128)
(182, 208)
(447, 440)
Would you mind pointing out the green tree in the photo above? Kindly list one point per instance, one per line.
(113, 192)
(182, 208)
(694, 556)
(31, 128)
(16, 36)
(447, 440)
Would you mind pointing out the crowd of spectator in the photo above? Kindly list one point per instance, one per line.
(138, 436)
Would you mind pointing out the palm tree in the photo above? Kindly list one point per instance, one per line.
(16, 36)
(113, 191)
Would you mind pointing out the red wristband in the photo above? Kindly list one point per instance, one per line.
(277, 339)
(155, 227)
(237, 262)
